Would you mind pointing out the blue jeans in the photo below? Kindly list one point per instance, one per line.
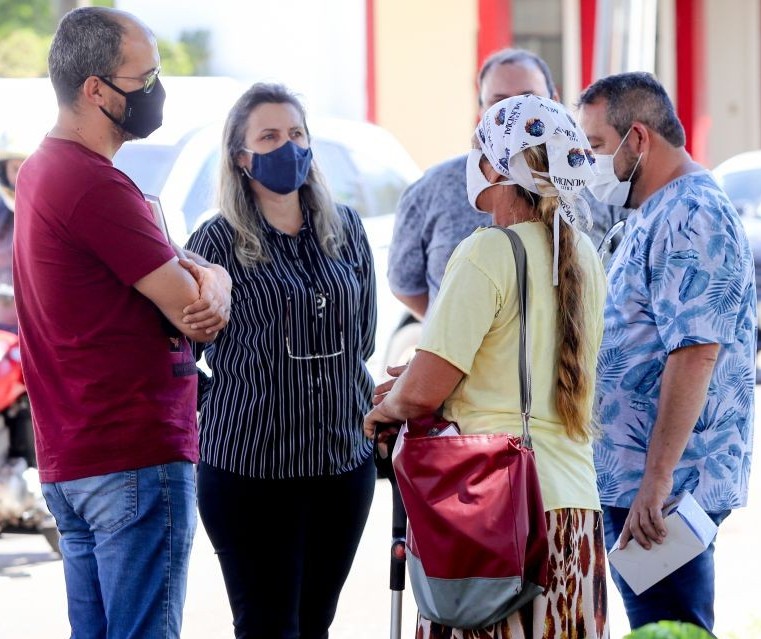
(687, 594)
(125, 541)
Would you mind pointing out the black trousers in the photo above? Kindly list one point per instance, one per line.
(285, 546)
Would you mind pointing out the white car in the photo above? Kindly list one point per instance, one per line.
(365, 166)
(740, 177)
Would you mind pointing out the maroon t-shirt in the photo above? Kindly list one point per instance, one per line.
(111, 389)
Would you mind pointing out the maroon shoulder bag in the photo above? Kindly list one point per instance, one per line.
(477, 546)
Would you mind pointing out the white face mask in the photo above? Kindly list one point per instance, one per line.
(476, 181)
(605, 186)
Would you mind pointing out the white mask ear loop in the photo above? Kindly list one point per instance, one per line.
(621, 143)
(631, 175)
(639, 159)
(555, 245)
(245, 169)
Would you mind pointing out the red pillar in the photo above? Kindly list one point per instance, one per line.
(495, 27)
(588, 24)
(370, 88)
(690, 79)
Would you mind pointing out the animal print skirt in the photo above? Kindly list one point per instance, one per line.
(574, 605)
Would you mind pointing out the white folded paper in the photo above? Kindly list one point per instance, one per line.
(690, 532)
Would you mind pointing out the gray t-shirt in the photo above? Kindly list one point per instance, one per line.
(434, 216)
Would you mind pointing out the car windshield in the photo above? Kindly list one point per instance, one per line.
(341, 175)
(200, 197)
(147, 165)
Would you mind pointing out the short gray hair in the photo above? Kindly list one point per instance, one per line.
(88, 41)
(636, 96)
(516, 56)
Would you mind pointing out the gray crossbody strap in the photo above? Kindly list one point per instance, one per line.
(524, 361)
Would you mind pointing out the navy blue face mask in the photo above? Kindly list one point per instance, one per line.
(283, 170)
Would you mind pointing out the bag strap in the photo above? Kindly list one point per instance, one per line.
(524, 361)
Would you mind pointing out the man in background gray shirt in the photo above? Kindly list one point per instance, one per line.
(434, 214)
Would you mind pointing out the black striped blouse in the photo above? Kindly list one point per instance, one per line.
(289, 384)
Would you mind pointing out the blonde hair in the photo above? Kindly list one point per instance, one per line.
(574, 383)
(236, 200)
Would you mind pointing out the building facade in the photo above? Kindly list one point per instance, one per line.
(410, 65)
(423, 57)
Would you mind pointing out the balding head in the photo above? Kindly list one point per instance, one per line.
(517, 58)
(88, 42)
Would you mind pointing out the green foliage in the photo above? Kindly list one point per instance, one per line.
(669, 630)
(24, 54)
(174, 58)
(26, 30)
(189, 56)
(36, 15)
(197, 45)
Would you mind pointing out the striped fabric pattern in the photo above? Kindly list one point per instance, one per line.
(270, 413)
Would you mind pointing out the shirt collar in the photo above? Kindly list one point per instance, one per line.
(271, 232)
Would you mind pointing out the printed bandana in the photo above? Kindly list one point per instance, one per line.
(515, 124)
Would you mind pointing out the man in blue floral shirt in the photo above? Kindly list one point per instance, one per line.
(676, 371)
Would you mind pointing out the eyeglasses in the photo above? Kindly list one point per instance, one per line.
(323, 316)
(604, 250)
(149, 81)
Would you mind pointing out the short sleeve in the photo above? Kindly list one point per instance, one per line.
(463, 312)
(113, 222)
(407, 253)
(696, 276)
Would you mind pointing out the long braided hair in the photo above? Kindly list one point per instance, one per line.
(574, 378)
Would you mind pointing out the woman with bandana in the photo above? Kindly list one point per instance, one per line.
(281, 417)
(529, 163)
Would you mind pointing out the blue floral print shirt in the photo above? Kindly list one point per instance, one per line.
(683, 275)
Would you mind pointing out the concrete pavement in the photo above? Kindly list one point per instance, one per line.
(33, 605)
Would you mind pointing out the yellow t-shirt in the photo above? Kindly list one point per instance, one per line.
(474, 325)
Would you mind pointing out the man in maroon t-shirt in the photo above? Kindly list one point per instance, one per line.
(104, 309)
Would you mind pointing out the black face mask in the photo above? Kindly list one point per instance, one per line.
(143, 112)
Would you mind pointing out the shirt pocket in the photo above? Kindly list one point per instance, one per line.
(314, 326)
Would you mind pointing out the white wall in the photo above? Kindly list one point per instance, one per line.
(733, 76)
(316, 47)
(426, 68)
